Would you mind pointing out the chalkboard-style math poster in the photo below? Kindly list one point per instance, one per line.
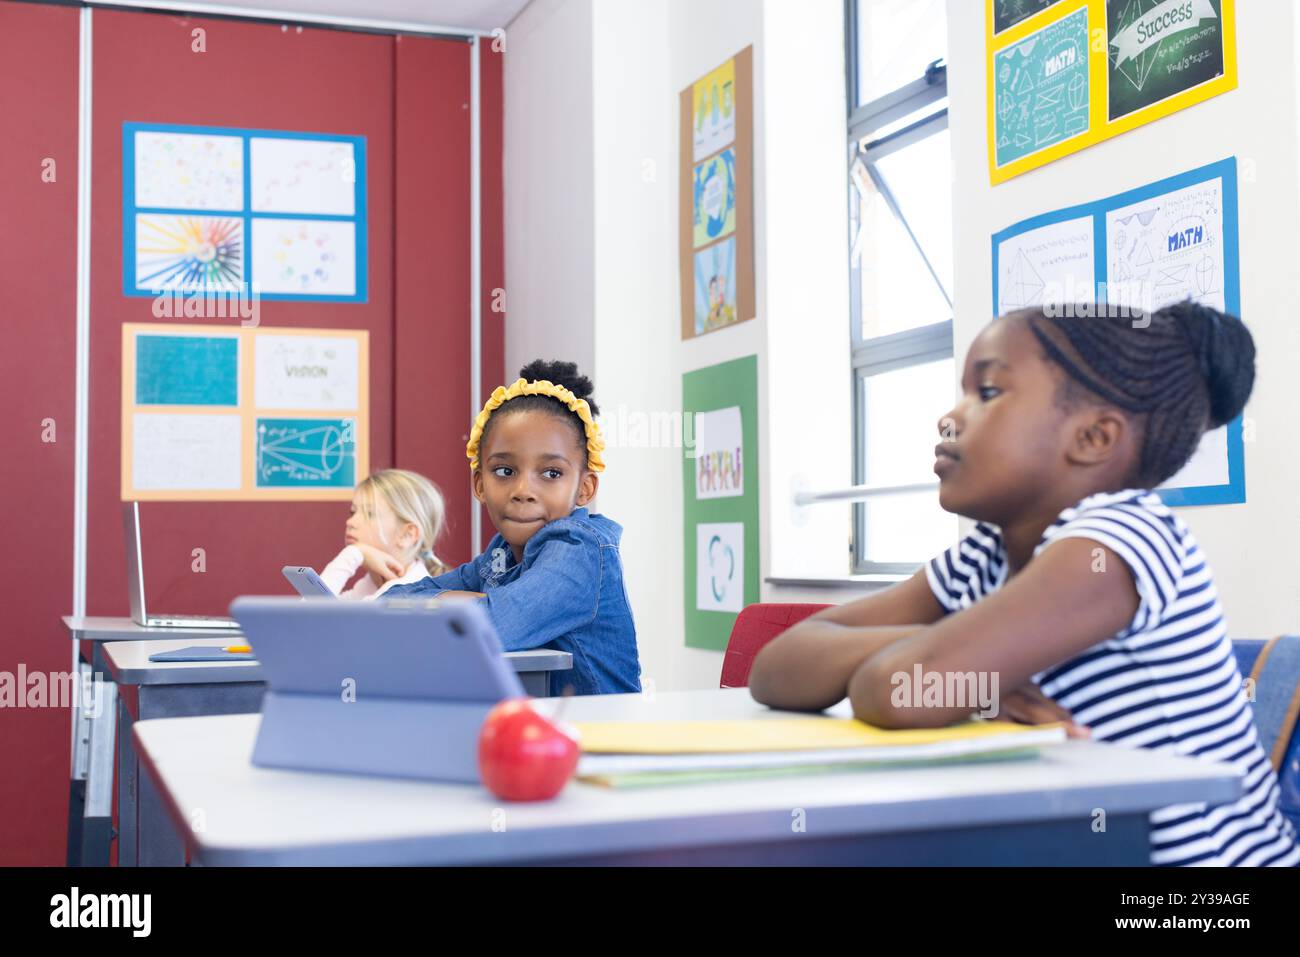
(1065, 74)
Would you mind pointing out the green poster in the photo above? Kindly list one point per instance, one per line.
(1007, 13)
(1041, 88)
(720, 498)
(1159, 48)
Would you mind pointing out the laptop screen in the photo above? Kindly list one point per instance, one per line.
(134, 561)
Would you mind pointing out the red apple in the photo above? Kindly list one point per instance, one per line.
(523, 755)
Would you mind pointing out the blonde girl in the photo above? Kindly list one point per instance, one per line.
(395, 521)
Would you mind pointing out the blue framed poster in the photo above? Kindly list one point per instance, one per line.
(1148, 247)
(227, 211)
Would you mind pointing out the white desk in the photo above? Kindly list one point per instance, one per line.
(162, 689)
(136, 688)
(94, 740)
(128, 663)
(1028, 811)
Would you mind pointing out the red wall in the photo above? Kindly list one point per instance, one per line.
(251, 75)
(409, 97)
(432, 110)
(38, 258)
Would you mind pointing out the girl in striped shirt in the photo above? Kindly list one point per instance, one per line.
(1078, 590)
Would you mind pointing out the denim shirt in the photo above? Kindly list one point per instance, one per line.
(566, 594)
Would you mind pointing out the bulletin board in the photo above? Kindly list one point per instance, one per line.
(220, 209)
(716, 214)
(1065, 74)
(238, 414)
(720, 498)
(1158, 244)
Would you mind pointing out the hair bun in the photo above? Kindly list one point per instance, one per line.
(1225, 350)
(560, 373)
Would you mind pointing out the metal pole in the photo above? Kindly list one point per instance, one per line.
(475, 268)
(81, 433)
(290, 16)
(860, 493)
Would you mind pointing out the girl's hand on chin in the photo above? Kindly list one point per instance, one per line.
(381, 565)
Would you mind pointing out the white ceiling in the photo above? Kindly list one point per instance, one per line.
(462, 14)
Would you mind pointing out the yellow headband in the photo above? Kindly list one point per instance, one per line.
(579, 407)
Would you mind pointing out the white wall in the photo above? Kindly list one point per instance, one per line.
(547, 185)
(1248, 545)
(638, 363)
(591, 264)
(605, 200)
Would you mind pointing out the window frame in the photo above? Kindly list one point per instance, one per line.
(912, 347)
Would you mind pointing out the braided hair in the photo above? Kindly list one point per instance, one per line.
(560, 373)
(1180, 371)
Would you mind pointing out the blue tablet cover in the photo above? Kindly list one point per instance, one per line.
(200, 653)
(408, 650)
(368, 687)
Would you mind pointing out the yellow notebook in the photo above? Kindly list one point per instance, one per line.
(683, 749)
(775, 734)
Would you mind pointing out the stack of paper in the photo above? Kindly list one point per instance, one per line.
(653, 752)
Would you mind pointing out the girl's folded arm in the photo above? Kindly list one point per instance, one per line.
(1056, 607)
(557, 593)
(808, 667)
(341, 568)
(463, 578)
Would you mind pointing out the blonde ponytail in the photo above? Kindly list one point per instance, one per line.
(412, 498)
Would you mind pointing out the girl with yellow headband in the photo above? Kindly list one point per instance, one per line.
(552, 576)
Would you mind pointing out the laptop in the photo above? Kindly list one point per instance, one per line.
(135, 584)
(397, 689)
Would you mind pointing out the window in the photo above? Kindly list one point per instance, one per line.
(901, 251)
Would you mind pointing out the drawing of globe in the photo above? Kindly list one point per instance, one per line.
(1078, 92)
(1205, 275)
(332, 451)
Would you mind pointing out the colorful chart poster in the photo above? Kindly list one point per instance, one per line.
(715, 287)
(716, 232)
(1064, 75)
(1042, 88)
(276, 214)
(1007, 13)
(719, 454)
(244, 413)
(198, 254)
(305, 257)
(189, 171)
(720, 531)
(720, 566)
(1165, 242)
(715, 198)
(714, 99)
(1160, 48)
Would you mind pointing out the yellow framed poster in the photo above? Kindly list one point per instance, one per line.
(240, 414)
(1065, 74)
(716, 202)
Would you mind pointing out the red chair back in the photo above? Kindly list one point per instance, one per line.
(755, 626)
